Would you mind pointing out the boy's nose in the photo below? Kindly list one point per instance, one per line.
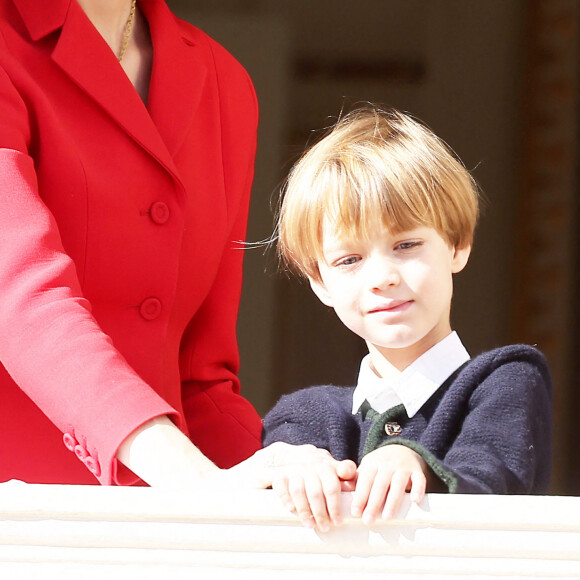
(383, 274)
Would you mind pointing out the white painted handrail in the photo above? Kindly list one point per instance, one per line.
(91, 532)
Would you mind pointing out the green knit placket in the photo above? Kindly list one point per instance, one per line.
(377, 430)
(375, 439)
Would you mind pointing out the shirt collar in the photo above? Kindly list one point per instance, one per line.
(415, 385)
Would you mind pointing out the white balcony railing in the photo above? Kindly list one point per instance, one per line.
(87, 532)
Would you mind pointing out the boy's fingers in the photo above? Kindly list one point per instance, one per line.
(303, 496)
(349, 485)
(316, 503)
(280, 487)
(297, 492)
(418, 486)
(331, 486)
(313, 490)
(377, 496)
(399, 484)
(347, 472)
(346, 469)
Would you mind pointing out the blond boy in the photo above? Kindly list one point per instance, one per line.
(379, 215)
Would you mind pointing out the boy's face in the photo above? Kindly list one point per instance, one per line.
(393, 290)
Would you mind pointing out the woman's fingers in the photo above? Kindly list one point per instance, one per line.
(361, 494)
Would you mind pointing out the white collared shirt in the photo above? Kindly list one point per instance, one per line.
(415, 385)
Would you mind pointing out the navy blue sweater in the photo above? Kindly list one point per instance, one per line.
(487, 429)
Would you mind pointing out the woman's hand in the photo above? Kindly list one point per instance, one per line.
(162, 456)
(383, 477)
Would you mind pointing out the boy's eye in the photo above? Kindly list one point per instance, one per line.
(348, 261)
(408, 245)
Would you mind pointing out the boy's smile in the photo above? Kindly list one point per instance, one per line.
(393, 290)
(392, 306)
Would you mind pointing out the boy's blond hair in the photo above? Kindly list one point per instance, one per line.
(374, 167)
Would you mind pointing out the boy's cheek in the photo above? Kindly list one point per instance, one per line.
(322, 292)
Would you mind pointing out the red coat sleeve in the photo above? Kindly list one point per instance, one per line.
(50, 343)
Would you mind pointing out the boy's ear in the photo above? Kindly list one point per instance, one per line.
(460, 258)
(320, 290)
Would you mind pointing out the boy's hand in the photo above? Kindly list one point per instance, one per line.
(309, 480)
(383, 477)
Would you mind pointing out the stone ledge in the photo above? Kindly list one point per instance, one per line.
(98, 532)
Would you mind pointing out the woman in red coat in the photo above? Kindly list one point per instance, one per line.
(127, 142)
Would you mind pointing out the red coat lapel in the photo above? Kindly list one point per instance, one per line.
(174, 93)
(85, 57)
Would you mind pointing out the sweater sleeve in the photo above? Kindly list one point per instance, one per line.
(317, 416)
(496, 437)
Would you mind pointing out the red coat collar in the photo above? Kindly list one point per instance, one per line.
(42, 18)
(179, 71)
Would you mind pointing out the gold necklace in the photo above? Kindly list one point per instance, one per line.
(128, 30)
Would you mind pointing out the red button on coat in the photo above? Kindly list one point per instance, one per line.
(81, 452)
(69, 441)
(93, 466)
(150, 308)
(159, 212)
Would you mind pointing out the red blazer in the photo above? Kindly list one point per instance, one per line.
(120, 262)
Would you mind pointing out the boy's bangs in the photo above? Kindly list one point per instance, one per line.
(374, 170)
(362, 202)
